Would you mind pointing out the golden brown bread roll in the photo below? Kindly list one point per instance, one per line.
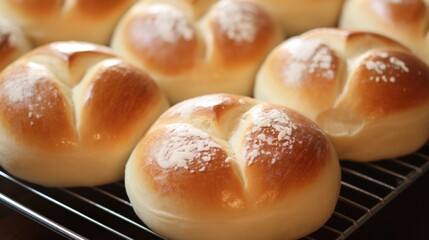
(299, 16)
(71, 114)
(46, 21)
(190, 56)
(228, 167)
(405, 21)
(13, 42)
(368, 93)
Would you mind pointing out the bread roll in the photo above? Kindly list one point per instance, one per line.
(71, 114)
(403, 20)
(228, 167)
(189, 56)
(46, 21)
(299, 16)
(13, 42)
(367, 92)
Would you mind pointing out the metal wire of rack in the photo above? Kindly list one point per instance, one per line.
(105, 211)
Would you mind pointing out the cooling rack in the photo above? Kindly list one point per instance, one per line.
(105, 212)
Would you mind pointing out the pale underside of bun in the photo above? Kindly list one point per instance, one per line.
(228, 167)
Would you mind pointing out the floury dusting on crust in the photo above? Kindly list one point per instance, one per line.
(308, 57)
(382, 70)
(21, 86)
(185, 146)
(171, 24)
(272, 130)
(238, 20)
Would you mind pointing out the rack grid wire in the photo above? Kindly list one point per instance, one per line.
(105, 212)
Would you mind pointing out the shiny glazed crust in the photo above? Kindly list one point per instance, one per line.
(71, 112)
(369, 93)
(229, 167)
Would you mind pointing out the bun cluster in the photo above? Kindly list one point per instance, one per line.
(193, 54)
(266, 97)
(71, 112)
(230, 167)
(367, 92)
